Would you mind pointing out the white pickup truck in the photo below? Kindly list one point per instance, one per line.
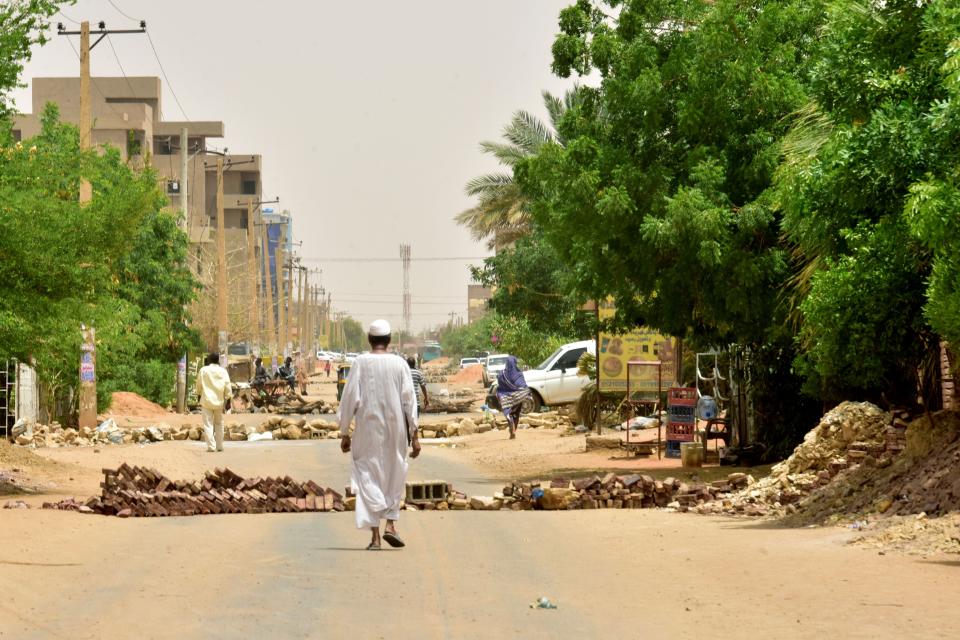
(555, 381)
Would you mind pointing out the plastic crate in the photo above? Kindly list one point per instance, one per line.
(682, 396)
(673, 449)
(679, 432)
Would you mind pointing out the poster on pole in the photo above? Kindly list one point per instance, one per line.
(615, 350)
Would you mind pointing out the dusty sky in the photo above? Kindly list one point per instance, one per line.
(368, 116)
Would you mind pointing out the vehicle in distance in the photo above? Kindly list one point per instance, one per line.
(468, 362)
(429, 351)
(492, 366)
(554, 381)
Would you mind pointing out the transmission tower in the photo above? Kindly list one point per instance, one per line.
(405, 258)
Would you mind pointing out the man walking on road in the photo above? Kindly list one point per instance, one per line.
(213, 388)
(418, 385)
(379, 394)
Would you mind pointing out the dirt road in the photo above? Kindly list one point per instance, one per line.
(627, 574)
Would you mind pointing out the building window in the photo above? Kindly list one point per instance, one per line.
(248, 187)
(162, 147)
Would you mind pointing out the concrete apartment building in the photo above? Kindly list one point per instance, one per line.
(128, 114)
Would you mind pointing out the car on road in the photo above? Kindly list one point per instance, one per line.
(554, 381)
(468, 362)
(492, 366)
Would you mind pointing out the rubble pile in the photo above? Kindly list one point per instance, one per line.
(457, 401)
(633, 491)
(470, 426)
(287, 405)
(28, 434)
(277, 428)
(851, 436)
(923, 480)
(142, 492)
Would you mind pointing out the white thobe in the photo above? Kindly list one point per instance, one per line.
(379, 395)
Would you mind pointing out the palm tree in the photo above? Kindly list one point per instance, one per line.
(501, 215)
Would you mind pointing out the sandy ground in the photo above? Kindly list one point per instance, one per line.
(613, 573)
(626, 573)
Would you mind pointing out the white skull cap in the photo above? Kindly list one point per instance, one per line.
(379, 328)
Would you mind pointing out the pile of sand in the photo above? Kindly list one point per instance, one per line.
(127, 403)
(467, 375)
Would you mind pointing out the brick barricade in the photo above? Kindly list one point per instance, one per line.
(143, 492)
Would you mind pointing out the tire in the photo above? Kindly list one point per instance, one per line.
(532, 404)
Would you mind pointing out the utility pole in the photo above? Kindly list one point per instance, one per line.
(265, 256)
(291, 318)
(86, 119)
(222, 327)
(252, 276)
(302, 311)
(278, 259)
(184, 180)
(87, 414)
(405, 259)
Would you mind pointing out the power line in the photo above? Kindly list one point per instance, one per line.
(444, 259)
(68, 18)
(112, 4)
(165, 77)
(119, 64)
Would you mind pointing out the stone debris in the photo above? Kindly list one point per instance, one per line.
(851, 435)
(482, 424)
(54, 435)
(633, 491)
(142, 492)
(16, 504)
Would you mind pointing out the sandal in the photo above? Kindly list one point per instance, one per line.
(393, 539)
(373, 547)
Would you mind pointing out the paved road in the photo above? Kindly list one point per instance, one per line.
(627, 574)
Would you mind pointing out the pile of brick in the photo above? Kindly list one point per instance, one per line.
(610, 492)
(140, 491)
(852, 435)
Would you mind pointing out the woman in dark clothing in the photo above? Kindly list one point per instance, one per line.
(512, 391)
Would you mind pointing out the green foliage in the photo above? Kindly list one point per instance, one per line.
(872, 175)
(514, 336)
(116, 263)
(528, 281)
(502, 215)
(659, 196)
(22, 25)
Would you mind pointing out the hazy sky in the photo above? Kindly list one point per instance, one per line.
(368, 116)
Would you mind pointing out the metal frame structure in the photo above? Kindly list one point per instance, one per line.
(633, 403)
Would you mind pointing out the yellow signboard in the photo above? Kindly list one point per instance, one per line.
(615, 350)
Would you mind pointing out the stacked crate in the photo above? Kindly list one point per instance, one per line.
(681, 418)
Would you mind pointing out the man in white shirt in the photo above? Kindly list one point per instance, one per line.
(213, 388)
(379, 395)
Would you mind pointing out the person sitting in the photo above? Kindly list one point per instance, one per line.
(260, 375)
(286, 372)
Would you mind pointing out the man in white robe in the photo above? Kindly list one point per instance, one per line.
(379, 395)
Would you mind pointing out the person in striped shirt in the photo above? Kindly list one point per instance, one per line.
(418, 384)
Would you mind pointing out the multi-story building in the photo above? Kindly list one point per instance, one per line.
(477, 298)
(127, 114)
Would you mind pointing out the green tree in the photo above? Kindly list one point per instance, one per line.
(877, 142)
(115, 263)
(23, 24)
(529, 282)
(501, 215)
